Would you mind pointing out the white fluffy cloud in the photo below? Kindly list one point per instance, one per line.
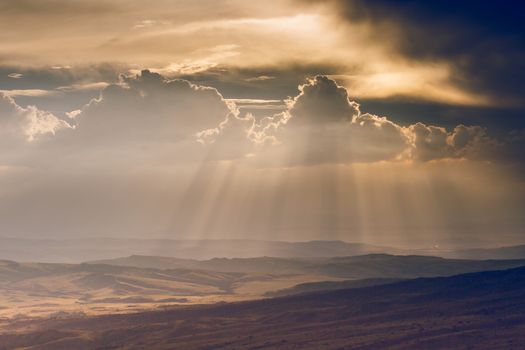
(143, 119)
(149, 108)
(322, 125)
(18, 123)
(147, 117)
(432, 142)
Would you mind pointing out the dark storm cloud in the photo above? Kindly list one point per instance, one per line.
(483, 40)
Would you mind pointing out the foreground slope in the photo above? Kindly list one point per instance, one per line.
(484, 310)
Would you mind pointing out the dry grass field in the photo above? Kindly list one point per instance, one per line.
(36, 290)
(484, 310)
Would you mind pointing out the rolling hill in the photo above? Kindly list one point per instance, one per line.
(352, 267)
(512, 252)
(35, 289)
(331, 285)
(484, 310)
(89, 249)
(39, 289)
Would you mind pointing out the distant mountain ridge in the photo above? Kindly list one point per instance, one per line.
(79, 250)
(87, 249)
(351, 267)
(510, 252)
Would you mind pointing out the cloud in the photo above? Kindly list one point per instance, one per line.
(30, 123)
(321, 100)
(429, 142)
(432, 142)
(142, 119)
(260, 78)
(147, 116)
(28, 92)
(231, 139)
(323, 125)
(484, 57)
(185, 38)
(147, 107)
(145, 23)
(81, 87)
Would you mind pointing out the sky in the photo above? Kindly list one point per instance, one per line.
(386, 122)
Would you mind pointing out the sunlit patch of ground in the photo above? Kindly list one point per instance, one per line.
(59, 298)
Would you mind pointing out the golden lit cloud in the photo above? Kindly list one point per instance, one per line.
(426, 82)
(187, 38)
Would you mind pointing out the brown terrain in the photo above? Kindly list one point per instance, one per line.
(484, 310)
(139, 283)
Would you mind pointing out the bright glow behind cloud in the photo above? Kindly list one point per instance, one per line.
(166, 36)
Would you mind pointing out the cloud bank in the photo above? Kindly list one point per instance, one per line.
(148, 114)
(323, 125)
(162, 156)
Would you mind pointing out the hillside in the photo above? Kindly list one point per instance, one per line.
(34, 289)
(331, 285)
(484, 310)
(39, 289)
(511, 252)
